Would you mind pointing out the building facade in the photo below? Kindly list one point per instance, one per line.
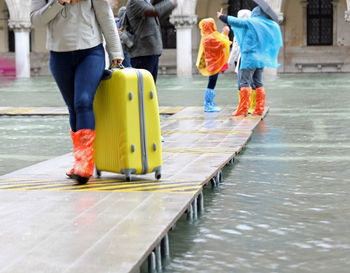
(316, 35)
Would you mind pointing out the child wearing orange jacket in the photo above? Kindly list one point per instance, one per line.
(212, 58)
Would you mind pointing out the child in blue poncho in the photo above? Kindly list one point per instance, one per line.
(259, 39)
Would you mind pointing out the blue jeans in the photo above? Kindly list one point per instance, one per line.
(212, 81)
(149, 63)
(77, 74)
(126, 62)
(250, 77)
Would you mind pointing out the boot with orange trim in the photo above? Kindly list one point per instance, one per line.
(84, 156)
(75, 145)
(260, 101)
(242, 109)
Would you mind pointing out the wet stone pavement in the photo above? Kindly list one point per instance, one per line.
(282, 207)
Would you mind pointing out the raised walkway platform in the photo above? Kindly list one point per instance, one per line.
(50, 225)
(59, 111)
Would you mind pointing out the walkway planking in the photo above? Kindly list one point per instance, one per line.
(49, 225)
(55, 111)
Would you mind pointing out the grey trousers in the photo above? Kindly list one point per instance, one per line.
(251, 77)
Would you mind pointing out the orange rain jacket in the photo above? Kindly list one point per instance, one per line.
(214, 49)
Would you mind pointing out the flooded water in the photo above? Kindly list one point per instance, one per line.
(25, 141)
(283, 206)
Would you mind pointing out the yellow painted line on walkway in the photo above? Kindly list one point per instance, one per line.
(17, 182)
(168, 132)
(30, 181)
(3, 110)
(7, 180)
(103, 185)
(93, 180)
(18, 110)
(200, 107)
(196, 151)
(167, 110)
(180, 190)
(200, 118)
(39, 187)
(214, 118)
(159, 188)
(110, 185)
(142, 188)
(171, 110)
(39, 184)
(28, 185)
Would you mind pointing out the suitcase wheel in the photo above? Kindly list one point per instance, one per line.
(158, 175)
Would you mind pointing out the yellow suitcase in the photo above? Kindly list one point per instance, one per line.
(128, 139)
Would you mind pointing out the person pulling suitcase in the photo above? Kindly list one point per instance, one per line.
(77, 62)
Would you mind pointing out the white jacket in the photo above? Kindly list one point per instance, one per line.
(77, 26)
(235, 55)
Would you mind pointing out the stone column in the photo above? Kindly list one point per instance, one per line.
(282, 54)
(304, 18)
(347, 12)
(183, 25)
(335, 22)
(22, 47)
(4, 16)
(347, 16)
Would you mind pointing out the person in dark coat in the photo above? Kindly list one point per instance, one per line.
(119, 22)
(144, 22)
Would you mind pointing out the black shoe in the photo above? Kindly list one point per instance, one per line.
(80, 179)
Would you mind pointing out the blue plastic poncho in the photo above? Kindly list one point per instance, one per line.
(259, 39)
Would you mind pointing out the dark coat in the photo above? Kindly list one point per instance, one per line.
(148, 37)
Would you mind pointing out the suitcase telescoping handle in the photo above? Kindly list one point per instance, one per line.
(107, 73)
